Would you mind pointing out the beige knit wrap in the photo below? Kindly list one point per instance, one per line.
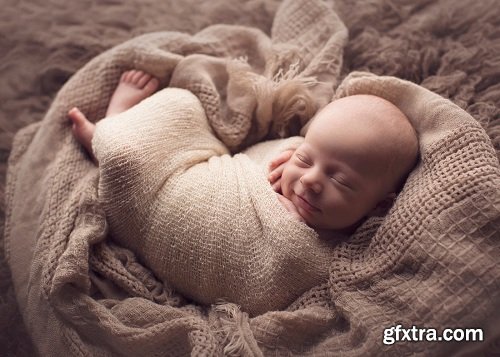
(106, 263)
(193, 213)
(204, 221)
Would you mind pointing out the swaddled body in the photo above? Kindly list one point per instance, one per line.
(206, 222)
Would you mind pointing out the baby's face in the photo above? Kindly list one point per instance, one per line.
(334, 178)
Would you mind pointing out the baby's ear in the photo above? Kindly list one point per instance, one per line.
(383, 206)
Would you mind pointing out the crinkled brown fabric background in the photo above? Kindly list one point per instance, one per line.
(450, 47)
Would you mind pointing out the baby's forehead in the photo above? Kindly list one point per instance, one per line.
(352, 147)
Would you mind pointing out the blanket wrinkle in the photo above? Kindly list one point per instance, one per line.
(94, 273)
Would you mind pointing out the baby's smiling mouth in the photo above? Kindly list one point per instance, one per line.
(305, 204)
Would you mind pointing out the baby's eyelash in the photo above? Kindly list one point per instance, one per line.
(340, 181)
(303, 159)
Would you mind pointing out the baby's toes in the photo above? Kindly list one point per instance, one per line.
(151, 86)
(136, 78)
(127, 76)
(143, 80)
(140, 80)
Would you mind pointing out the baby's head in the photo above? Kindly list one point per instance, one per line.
(356, 155)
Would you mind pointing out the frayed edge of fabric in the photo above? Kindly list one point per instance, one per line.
(235, 327)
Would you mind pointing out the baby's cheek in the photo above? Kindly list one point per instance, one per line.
(336, 206)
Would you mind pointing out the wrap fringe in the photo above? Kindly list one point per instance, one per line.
(238, 336)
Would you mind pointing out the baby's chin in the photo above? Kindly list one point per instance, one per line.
(322, 226)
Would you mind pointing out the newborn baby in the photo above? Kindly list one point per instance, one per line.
(355, 157)
(207, 223)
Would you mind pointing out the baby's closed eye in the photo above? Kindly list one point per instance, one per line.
(304, 160)
(340, 180)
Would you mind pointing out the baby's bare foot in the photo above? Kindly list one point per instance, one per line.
(83, 130)
(134, 86)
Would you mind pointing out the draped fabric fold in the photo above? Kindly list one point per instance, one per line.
(105, 260)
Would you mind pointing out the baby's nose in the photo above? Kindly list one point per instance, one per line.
(309, 181)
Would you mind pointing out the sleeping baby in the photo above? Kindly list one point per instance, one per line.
(356, 155)
(195, 214)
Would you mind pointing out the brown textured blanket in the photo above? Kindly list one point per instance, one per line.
(432, 262)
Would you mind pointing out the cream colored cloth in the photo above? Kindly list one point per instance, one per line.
(431, 262)
(204, 221)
